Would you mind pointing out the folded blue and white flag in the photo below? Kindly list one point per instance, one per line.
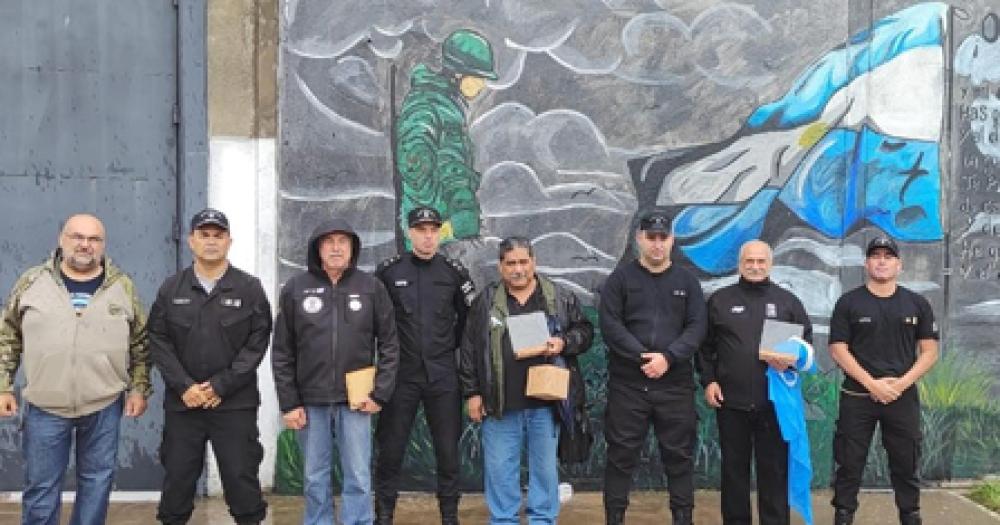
(785, 392)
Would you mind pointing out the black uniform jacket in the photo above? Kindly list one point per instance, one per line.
(644, 312)
(736, 316)
(431, 298)
(325, 330)
(219, 337)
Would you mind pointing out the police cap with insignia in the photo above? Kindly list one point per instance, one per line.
(209, 217)
(655, 221)
(423, 214)
(882, 241)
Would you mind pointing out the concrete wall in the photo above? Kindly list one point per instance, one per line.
(242, 37)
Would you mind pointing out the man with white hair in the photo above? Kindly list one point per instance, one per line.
(736, 385)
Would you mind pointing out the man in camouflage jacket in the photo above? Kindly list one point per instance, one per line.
(78, 327)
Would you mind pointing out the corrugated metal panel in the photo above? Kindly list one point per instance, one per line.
(89, 91)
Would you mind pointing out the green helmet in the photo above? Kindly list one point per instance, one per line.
(467, 52)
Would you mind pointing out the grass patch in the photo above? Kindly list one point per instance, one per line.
(987, 494)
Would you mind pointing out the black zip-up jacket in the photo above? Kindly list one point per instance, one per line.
(431, 298)
(325, 330)
(220, 337)
(644, 312)
(736, 316)
(476, 366)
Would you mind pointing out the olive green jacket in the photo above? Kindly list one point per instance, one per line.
(75, 363)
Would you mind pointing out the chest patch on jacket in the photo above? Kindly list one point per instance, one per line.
(312, 304)
(231, 302)
(402, 283)
(182, 300)
(770, 310)
(738, 309)
(680, 293)
(354, 303)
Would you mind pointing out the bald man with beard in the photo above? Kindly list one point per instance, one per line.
(76, 324)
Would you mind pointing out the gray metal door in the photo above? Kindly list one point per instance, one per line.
(88, 91)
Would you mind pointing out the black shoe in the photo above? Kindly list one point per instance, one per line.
(910, 518)
(614, 516)
(682, 516)
(384, 509)
(843, 517)
(449, 511)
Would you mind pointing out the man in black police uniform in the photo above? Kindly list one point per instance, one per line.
(431, 295)
(884, 338)
(735, 382)
(652, 315)
(208, 331)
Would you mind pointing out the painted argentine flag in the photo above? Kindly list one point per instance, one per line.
(854, 140)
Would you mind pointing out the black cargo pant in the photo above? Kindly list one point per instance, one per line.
(629, 413)
(443, 410)
(900, 425)
(235, 442)
(753, 433)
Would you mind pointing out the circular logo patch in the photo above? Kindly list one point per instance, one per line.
(312, 304)
(354, 305)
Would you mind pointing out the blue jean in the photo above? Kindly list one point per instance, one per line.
(503, 440)
(352, 431)
(46, 441)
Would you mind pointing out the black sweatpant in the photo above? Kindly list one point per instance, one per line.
(753, 433)
(443, 409)
(900, 425)
(234, 437)
(627, 417)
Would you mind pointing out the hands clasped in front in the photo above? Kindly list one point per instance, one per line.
(201, 395)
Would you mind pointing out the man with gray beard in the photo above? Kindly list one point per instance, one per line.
(77, 324)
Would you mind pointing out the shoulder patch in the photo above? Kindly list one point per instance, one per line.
(457, 265)
(387, 263)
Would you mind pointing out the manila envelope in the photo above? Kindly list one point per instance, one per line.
(548, 382)
(360, 384)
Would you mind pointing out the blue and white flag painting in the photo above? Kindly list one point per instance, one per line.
(853, 141)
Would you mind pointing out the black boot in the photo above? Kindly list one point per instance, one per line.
(843, 517)
(614, 516)
(384, 509)
(682, 516)
(449, 510)
(910, 518)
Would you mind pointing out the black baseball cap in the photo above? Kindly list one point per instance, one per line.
(655, 221)
(209, 217)
(422, 214)
(882, 241)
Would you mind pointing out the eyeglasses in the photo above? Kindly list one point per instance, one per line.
(80, 239)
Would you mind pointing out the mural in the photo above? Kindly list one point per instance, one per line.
(810, 126)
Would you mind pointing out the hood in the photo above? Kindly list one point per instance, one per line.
(336, 224)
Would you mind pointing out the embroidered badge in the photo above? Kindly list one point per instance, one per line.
(182, 300)
(402, 283)
(232, 302)
(738, 309)
(770, 310)
(354, 303)
(865, 320)
(680, 293)
(312, 304)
